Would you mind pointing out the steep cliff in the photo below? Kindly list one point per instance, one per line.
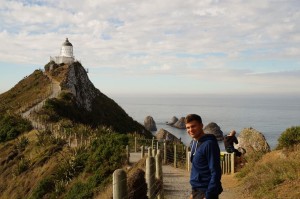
(81, 102)
(78, 140)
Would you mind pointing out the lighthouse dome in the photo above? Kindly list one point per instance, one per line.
(66, 49)
(67, 43)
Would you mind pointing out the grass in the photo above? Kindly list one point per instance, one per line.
(263, 178)
(38, 165)
(31, 89)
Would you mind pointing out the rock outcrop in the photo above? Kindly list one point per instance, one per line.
(252, 141)
(180, 123)
(149, 123)
(78, 83)
(172, 121)
(163, 134)
(213, 128)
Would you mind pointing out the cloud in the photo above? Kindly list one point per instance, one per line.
(199, 39)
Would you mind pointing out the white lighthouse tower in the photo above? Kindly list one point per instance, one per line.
(66, 54)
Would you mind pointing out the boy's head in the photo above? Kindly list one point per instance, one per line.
(192, 117)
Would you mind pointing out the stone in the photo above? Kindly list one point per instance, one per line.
(149, 123)
(163, 134)
(180, 123)
(252, 141)
(172, 121)
(213, 128)
(78, 83)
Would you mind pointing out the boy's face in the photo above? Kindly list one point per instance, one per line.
(194, 129)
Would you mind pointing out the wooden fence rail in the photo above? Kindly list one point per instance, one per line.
(178, 154)
(153, 178)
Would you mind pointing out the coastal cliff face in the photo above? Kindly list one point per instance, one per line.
(78, 83)
(85, 103)
(58, 131)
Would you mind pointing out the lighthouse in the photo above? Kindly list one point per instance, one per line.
(66, 54)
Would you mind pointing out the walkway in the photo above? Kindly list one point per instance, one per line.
(56, 89)
(177, 185)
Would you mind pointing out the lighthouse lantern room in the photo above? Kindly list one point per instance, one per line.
(66, 54)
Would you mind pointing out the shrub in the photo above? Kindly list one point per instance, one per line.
(46, 138)
(45, 186)
(289, 137)
(22, 166)
(102, 160)
(78, 191)
(11, 126)
(22, 143)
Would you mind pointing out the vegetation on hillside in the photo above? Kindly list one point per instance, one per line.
(289, 137)
(25, 93)
(11, 126)
(41, 163)
(111, 115)
(275, 174)
(45, 167)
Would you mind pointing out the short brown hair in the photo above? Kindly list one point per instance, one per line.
(192, 117)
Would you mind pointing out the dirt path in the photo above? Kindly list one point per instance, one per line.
(56, 89)
(177, 185)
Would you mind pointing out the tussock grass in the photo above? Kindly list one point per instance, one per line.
(263, 178)
(29, 89)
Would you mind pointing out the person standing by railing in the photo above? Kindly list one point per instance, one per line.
(228, 142)
(206, 174)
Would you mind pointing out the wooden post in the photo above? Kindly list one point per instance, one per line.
(128, 154)
(149, 152)
(119, 184)
(227, 166)
(175, 156)
(188, 158)
(152, 144)
(159, 174)
(142, 152)
(232, 162)
(150, 177)
(135, 143)
(153, 152)
(165, 152)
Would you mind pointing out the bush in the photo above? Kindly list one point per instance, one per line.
(45, 186)
(289, 137)
(22, 143)
(11, 126)
(22, 166)
(102, 160)
(78, 191)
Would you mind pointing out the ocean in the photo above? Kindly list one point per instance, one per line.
(270, 115)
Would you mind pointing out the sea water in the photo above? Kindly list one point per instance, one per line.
(270, 115)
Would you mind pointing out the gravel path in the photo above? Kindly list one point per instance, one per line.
(177, 185)
(56, 89)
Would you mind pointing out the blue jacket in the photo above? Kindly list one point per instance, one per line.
(206, 168)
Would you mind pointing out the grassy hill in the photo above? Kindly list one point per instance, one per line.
(32, 88)
(41, 163)
(275, 174)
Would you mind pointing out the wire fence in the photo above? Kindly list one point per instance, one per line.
(172, 154)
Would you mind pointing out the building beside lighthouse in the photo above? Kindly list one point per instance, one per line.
(66, 54)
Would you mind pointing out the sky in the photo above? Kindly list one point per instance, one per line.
(159, 47)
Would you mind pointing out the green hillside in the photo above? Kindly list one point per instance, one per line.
(74, 151)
